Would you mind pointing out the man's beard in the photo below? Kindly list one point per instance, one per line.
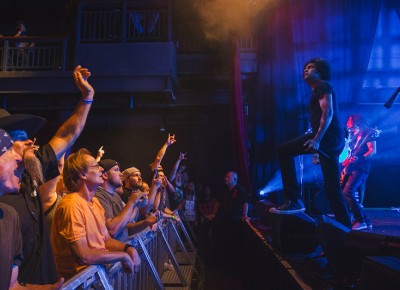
(116, 183)
(34, 168)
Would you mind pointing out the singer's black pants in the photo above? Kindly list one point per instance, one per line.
(330, 171)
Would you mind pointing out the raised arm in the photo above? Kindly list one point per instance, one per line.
(100, 154)
(155, 185)
(171, 140)
(170, 186)
(157, 200)
(67, 134)
(116, 224)
(176, 166)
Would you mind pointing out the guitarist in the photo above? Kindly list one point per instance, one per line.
(357, 165)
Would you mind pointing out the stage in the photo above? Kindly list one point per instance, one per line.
(303, 252)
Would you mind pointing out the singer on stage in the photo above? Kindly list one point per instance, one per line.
(327, 137)
(357, 164)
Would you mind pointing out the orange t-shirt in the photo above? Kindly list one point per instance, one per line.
(74, 219)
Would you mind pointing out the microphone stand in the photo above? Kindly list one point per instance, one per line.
(392, 98)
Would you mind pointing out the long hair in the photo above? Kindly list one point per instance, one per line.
(75, 164)
(359, 121)
(322, 67)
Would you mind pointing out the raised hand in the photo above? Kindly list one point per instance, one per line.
(182, 156)
(136, 196)
(142, 201)
(100, 154)
(156, 182)
(81, 76)
(171, 139)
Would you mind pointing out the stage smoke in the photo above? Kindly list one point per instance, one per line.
(222, 17)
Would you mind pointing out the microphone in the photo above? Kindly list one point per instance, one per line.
(392, 98)
(322, 153)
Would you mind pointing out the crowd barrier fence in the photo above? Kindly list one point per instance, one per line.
(169, 261)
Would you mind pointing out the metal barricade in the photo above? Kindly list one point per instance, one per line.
(157, 250)
(90, 278)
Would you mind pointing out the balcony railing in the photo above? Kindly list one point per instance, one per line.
(123, 22)
(33, 53)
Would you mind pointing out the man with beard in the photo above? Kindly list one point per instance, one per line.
(38, 266)
(10, 231)
(132, 182)
(120, 217)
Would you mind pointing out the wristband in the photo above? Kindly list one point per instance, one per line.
(127, 246)
(87, 101)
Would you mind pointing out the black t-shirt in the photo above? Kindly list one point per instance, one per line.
(231, 202)
(333, 139)
(10, 243)
(38, 266)
(126, 194)
(359, 147)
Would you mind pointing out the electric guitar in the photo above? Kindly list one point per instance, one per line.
(372, 133)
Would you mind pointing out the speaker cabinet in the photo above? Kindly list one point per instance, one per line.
(294, 233)
(316, 200)
(346, 249)
(333, 240)
(380, 272)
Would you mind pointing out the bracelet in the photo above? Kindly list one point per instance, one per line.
(127, 246)
(87, 101)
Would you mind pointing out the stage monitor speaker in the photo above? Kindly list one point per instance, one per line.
(261, 209)
(294, 233)
(361, 244)
(333, 240)
(346, 249)
(380, 272)
(316, 200)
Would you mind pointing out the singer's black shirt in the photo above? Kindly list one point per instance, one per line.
(333, 139)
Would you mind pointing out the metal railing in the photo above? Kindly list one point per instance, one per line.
(35, 53)
(156, 249)
(147, 25)
(123, 22)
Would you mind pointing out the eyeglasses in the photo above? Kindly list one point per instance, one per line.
(97, 166)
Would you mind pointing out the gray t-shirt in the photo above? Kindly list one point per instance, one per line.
(113, 205)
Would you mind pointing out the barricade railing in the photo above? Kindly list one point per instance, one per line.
(156, 249)
(89, 278)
